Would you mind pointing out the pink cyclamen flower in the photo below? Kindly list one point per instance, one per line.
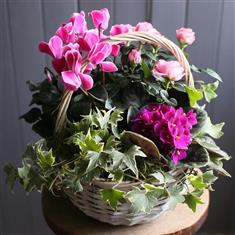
(66, 33)
(171, 69)
(185, 35)
(90, 38)
(98, 54)
(135, 56)
(54, 48)
(73, 78)
(120, 28)
(100, 18)
(79, 23)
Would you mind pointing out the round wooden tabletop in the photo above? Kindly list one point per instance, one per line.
(64, 219)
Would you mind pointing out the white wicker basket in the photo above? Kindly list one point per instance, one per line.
(89, 201)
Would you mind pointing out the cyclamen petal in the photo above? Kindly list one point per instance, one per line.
(44, 48)
(66, 33)
(108, 66)
(59, 65)
(56, 46)
(71, 81)
(115, 50)
(87, 81)
(100, 18)
(79, 23)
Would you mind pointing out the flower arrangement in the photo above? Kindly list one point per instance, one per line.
(121, 109)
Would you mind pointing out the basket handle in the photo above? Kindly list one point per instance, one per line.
(151, 38)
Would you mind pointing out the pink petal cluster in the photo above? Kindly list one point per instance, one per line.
(76, 51)
(126, 28)
(171, 69)
(185, 35)
(135, 56)
(166, 125)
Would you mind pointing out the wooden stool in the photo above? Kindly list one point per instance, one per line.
(64, 219)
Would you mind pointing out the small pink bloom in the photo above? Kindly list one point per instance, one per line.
(100, 18)
(120, 28)
(54, 48)
(185, 35)
(135, 56)
(71, 81)
(171, 69)
(146, 27)
(108, 66)
(115, 50)
(79, 23)
(66, 33)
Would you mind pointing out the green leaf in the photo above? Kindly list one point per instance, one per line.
(98, 92)
(208, 71)
(141, 201)
(102, 117)
(93, 160)
(115, 117)
(129, 158)
(32, 115)
(112, 196)
(23, 173)
(175, 197)
(211, 146)
(11, 174)
(209, 177)
(146, 70)
(197, 181)
(88, 143)
(201, 121)
(192, 200)
(147, 145)
(209, 90)
(45, 159)
(194, 95)
(197, 156)
(212, 73)
(214, 131)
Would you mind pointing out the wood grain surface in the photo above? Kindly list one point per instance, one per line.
(64, 219)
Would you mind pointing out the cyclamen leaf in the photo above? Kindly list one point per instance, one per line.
(194, 95)
(192, 200)
(112, 196)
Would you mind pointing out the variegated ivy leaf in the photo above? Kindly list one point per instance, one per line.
(192, 200)
(112, 196)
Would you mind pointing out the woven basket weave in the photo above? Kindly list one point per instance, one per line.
(89, 200)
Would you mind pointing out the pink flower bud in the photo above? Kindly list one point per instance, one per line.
(185, 35)
(171, 69)
(135, 56)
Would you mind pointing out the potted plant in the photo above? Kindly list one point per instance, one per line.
(122, 132)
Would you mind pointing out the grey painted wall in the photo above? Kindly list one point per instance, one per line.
(23, 23)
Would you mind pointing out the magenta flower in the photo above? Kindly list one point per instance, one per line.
(66, 33)
(100, 18)
(167, 126)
